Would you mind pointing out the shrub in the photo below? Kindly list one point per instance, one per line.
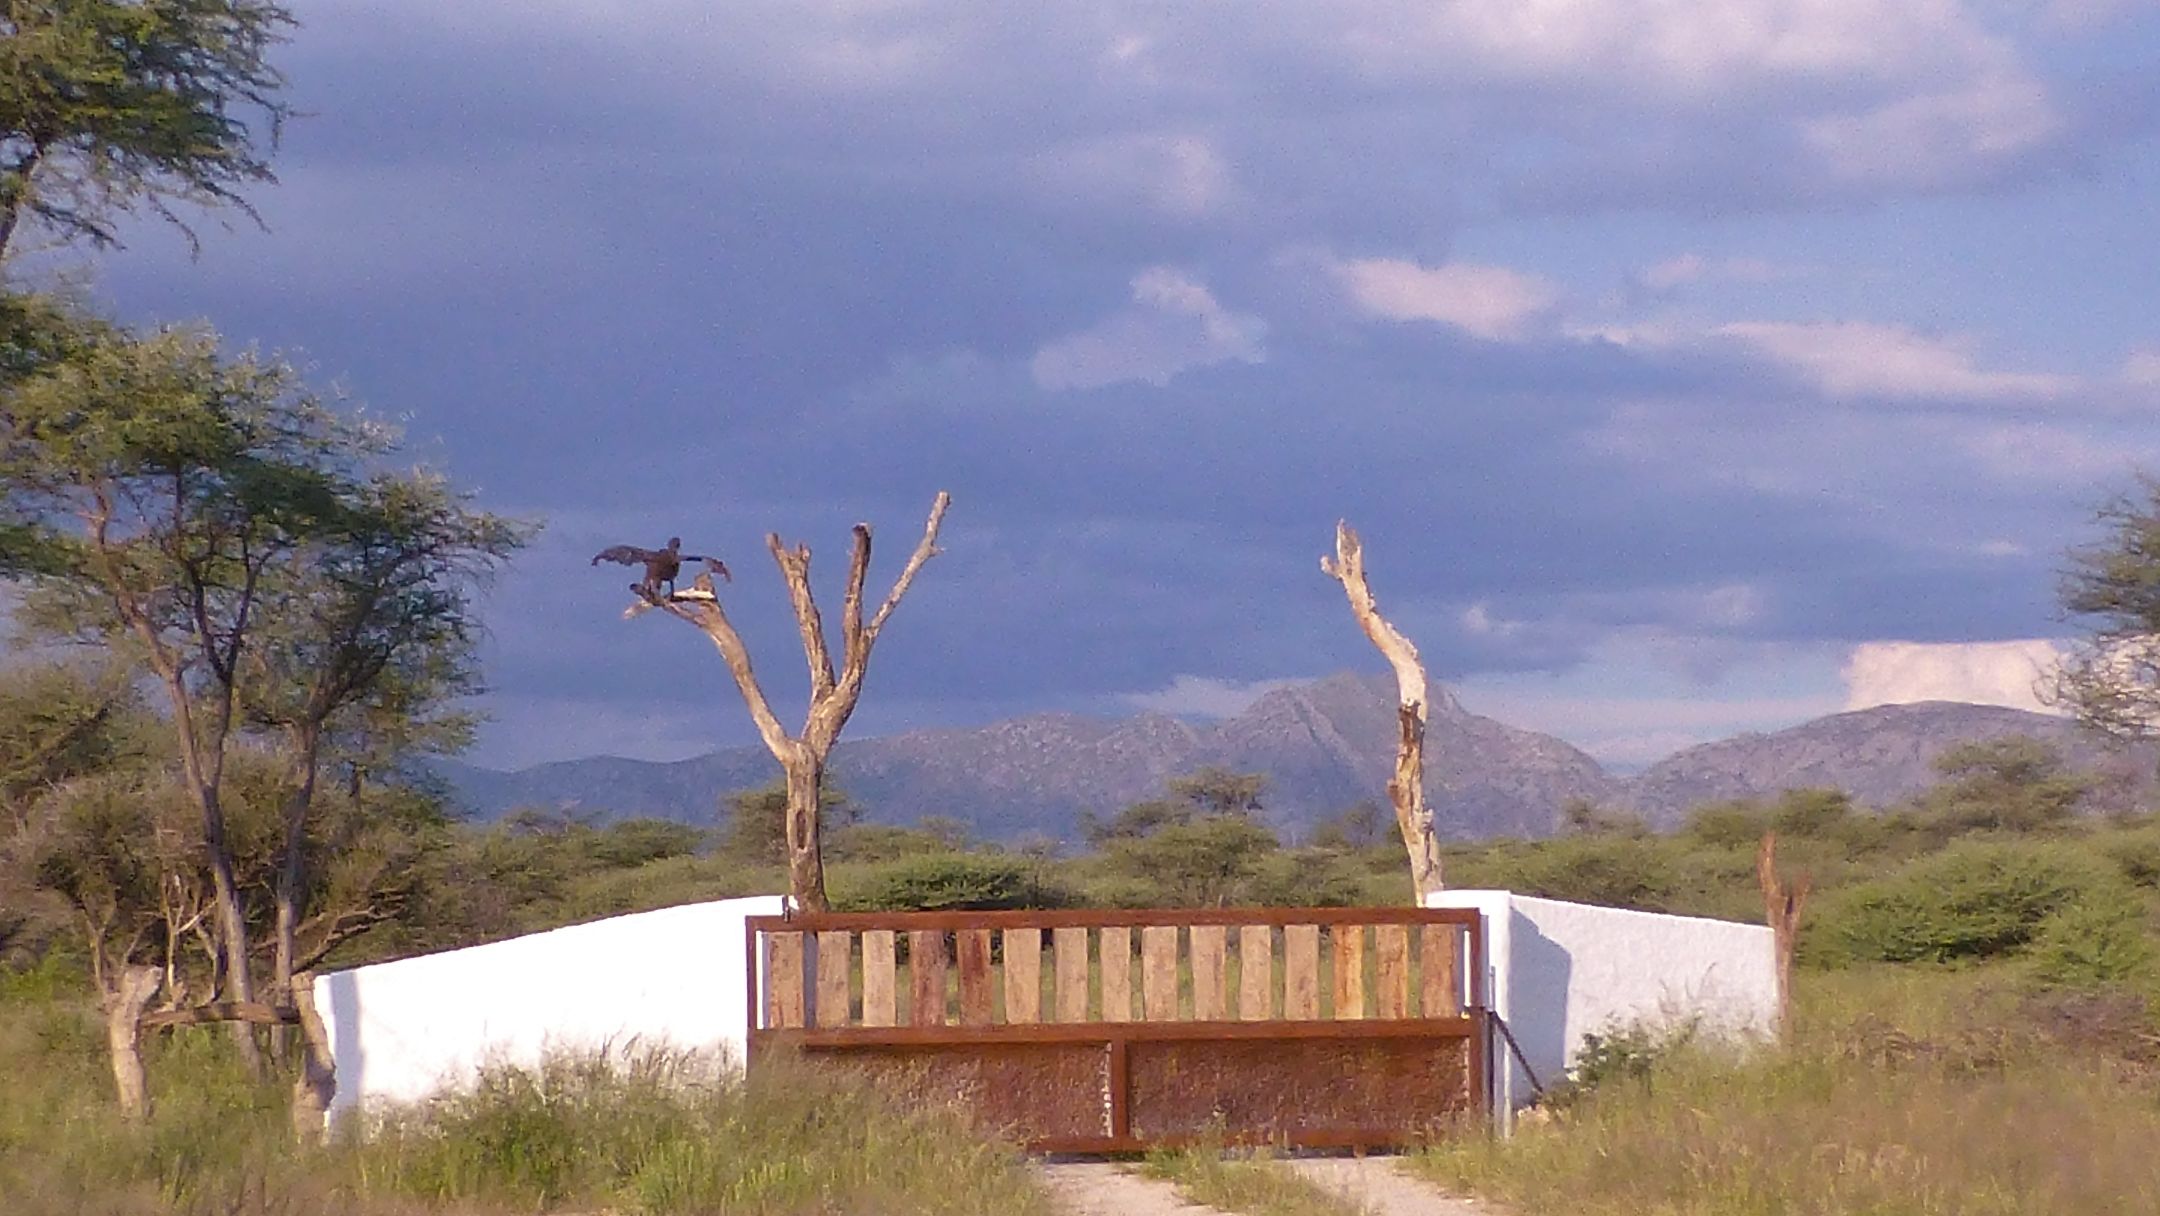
(1976, 899)
(2099, 942)
(955, 882)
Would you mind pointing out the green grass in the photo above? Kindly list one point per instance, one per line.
(1904, 1091)
(662, 1133)
(1250, 1186)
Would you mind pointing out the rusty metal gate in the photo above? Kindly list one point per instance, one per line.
(1304, 1027)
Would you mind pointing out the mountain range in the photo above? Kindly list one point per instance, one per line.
(1323, 745)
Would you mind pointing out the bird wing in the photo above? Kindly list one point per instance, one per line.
(624, 555)
(715, 566)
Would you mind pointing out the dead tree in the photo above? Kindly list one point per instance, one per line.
(1781, 910)
(833, 694)
(125, 999)
(1406, 790)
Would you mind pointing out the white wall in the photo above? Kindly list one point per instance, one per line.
(1558, 971)
(402, 1029)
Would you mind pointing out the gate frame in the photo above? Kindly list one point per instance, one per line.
(1471, 1025)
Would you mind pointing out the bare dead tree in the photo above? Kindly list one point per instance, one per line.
(1782, 906)
(1406, 790)
(833, 694)
(124, 1000)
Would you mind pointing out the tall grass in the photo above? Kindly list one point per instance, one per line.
(1903, 1093)
(653, 1132)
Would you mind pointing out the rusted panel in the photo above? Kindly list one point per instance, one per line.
(1210, 994)
(1256, 973)
(1440, 994)
(834, 962)
(1391, 971)
(971, 949)
(926, 972)
(784, 980)
(1023, 975)
(1382, 1090)
(880, 991)
(1025, 1091)
(1158, 973)
(1070, 946)
(1301, 972)
(1115, 946)
(1349, 950)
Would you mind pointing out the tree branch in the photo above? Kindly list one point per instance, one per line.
(925, 549)
(795, 572)
(710, 620)
(1406, 790)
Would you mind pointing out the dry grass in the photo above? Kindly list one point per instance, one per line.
(1250, 1186)
(1905, 1092)
(660, 1134)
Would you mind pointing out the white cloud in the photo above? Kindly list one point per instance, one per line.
(1982, 673)
(1489, 302)
(1687, 268)
(2049, 455)
(1174, 326)
(1203, 696)
(1179, 174)
(2142, 368)
(1934, 138)
(1862, 359)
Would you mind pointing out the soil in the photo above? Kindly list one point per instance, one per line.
(1101, 1188)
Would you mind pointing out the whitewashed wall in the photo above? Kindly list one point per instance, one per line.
(1559, 971)
(400, 1030)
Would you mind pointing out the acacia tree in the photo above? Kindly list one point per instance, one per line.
(833, 693)
(370, 623)
(107, 106)
(2112, 678)
(156, 486)
(1406, 789)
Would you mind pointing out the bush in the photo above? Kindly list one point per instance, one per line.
(955, 882)
(1974, 900)
(2097, 943)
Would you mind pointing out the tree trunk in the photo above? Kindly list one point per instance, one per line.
(124, 1005)
(1782, 906)
(292, 873)
(806, 860)
(203, 780)
(316, 1083)
(1406, 789)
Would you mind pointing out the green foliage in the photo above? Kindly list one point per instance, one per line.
(953, 882)
(2112, 681)
(110, 106)
(1976, 899)
(1209, 861)
(1361, 825)
(2103, 941)
(755, 821)
(628, 843)
(2014, 785)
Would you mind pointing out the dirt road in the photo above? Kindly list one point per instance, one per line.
(1098, 1188)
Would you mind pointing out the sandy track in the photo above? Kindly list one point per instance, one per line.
(1384, 1190)
(1101, 1188)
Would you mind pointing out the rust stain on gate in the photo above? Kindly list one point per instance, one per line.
(1303, 1027)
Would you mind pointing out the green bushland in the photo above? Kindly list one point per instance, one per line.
(650, 1133)
(1903, 1089)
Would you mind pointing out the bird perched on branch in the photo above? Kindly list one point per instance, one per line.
(661, 565)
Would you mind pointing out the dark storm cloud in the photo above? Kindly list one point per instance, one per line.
(718, 270)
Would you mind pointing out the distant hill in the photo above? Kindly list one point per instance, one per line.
(1880, 756)
(1324, 745)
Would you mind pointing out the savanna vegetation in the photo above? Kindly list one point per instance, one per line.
(244, 619)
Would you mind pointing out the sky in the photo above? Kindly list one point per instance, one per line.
(1688, 366)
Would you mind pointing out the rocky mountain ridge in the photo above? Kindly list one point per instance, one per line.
(1324, 745)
